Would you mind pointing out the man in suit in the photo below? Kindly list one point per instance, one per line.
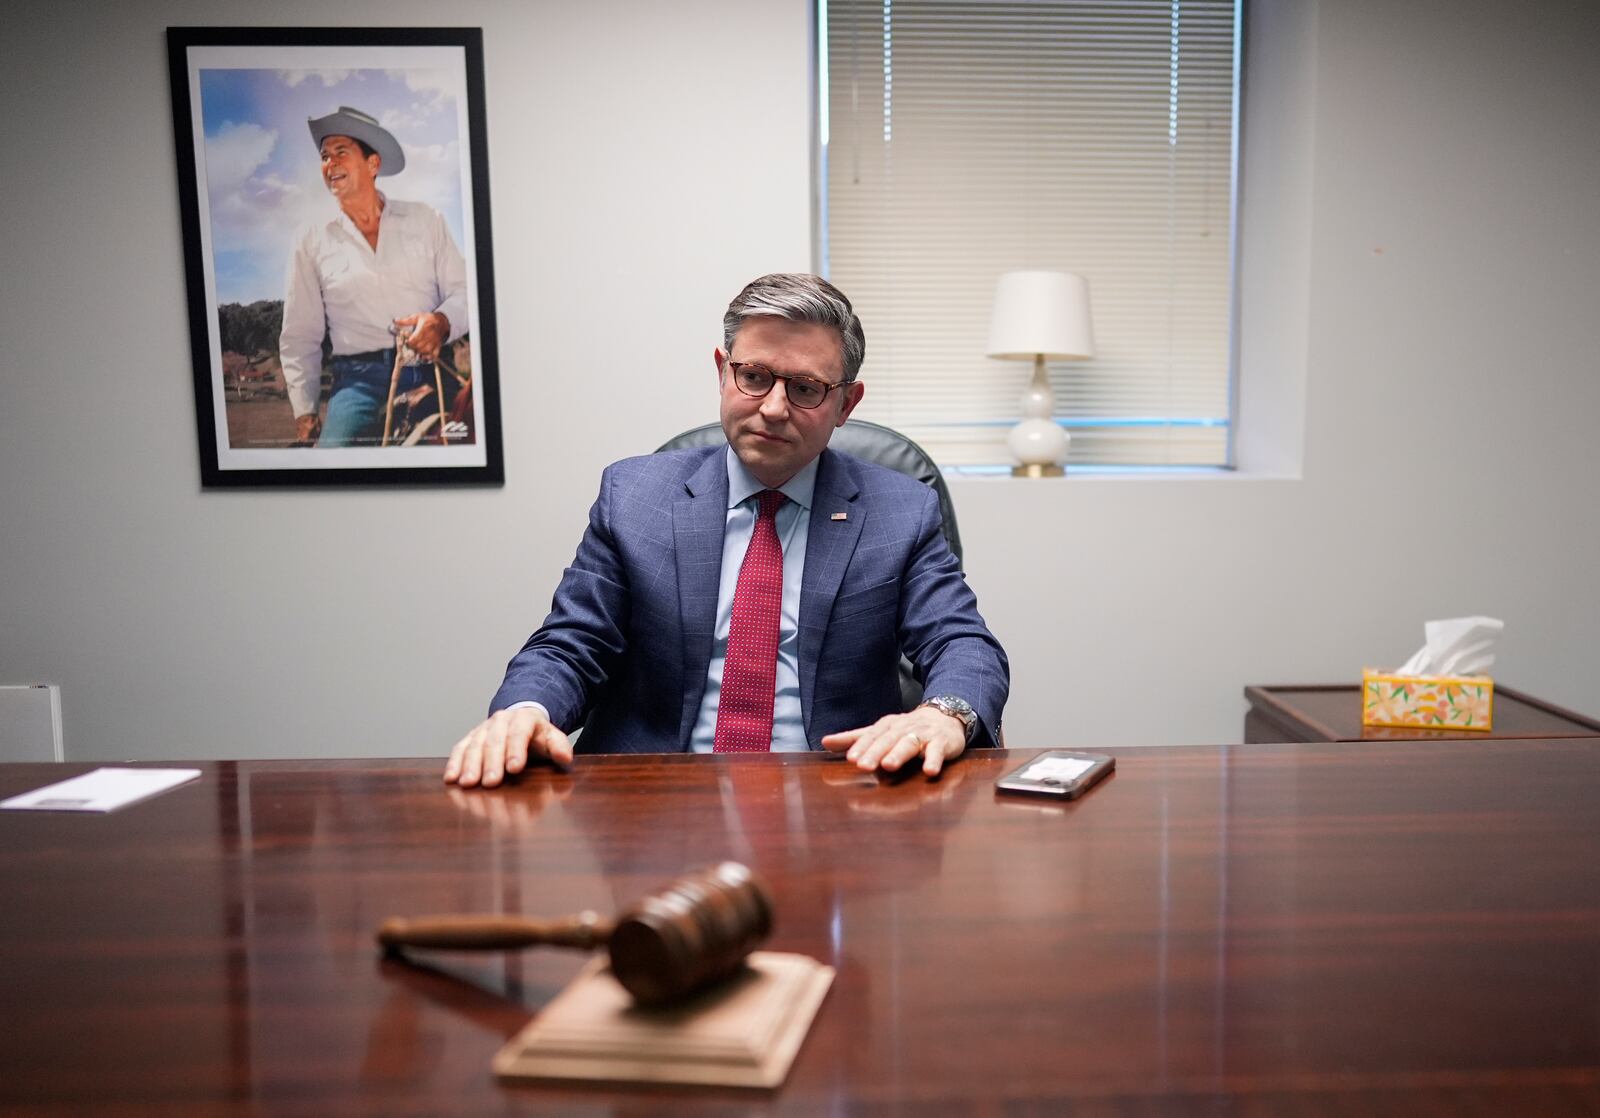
(758, 595)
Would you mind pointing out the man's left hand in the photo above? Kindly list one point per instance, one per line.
(895, 739)
(424, 333)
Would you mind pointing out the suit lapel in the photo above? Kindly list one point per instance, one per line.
(830, 543)
(699, 518)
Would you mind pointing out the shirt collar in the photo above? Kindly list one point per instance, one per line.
(742, 485)
(344, 219)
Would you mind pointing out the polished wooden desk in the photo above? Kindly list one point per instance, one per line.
(1398, 928)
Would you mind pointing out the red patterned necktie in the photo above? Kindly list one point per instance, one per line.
(749, 672)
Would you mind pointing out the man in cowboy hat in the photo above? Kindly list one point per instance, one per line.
(380, 268)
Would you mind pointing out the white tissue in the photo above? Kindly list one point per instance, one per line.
(1455, 646)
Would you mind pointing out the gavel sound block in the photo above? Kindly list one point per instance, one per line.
(704, 1008)
(682, 938)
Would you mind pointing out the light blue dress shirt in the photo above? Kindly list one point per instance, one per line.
(793, 524)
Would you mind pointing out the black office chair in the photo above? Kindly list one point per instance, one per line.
(864, 439)
(886, 447)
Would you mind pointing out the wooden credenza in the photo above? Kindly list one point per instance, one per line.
(1332, 712)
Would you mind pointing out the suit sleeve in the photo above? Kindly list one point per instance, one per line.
(942, 633)
(569, 659)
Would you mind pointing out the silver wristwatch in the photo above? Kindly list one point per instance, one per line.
(955, 708)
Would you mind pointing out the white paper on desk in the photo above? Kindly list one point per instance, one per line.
(101, 790)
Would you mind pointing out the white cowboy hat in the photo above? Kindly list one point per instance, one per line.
(359, 126)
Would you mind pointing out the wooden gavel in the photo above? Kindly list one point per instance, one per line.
(687, 935)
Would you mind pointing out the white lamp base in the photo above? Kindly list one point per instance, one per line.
(1038, 471)
(1038, 442)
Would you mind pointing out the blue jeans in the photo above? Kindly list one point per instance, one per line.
(360, 393)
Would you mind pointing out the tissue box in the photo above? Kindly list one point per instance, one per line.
(1427, 702)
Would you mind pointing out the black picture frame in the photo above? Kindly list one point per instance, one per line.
(248, 167)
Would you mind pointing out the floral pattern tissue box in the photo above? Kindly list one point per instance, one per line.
(1427, 702)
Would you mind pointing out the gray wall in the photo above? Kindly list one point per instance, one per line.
(1450, 459)
(1421, 257)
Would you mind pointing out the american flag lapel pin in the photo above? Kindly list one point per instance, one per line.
(841, 516)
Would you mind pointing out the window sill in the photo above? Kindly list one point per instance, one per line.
(1120, 473)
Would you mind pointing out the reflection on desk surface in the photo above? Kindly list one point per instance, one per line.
(1343, 926)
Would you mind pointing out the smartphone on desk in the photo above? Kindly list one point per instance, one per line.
(1057, 773)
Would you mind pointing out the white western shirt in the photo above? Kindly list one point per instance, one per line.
(339, 283)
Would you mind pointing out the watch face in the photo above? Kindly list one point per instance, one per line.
(956, 708)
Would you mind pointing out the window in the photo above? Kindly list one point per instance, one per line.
(966, 138)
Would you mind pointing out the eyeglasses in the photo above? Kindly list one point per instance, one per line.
(803, 392)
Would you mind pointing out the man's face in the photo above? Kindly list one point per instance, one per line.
(773, 438)
(345, 170)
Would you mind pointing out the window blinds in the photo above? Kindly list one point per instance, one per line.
(963, 139)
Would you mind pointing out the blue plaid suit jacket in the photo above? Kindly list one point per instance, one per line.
(628, 640)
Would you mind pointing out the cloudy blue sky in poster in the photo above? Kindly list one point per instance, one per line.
(263, 181)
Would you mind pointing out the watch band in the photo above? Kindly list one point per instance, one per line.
(955, 708)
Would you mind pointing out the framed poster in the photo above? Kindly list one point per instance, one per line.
(335, 193)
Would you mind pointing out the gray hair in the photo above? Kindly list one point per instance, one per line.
(799, 298)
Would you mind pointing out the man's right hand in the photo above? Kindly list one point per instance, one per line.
(502, 744)
(306, 429)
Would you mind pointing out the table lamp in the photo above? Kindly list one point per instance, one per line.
(1039, 315)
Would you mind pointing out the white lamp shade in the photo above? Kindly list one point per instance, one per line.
(1041, 313)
